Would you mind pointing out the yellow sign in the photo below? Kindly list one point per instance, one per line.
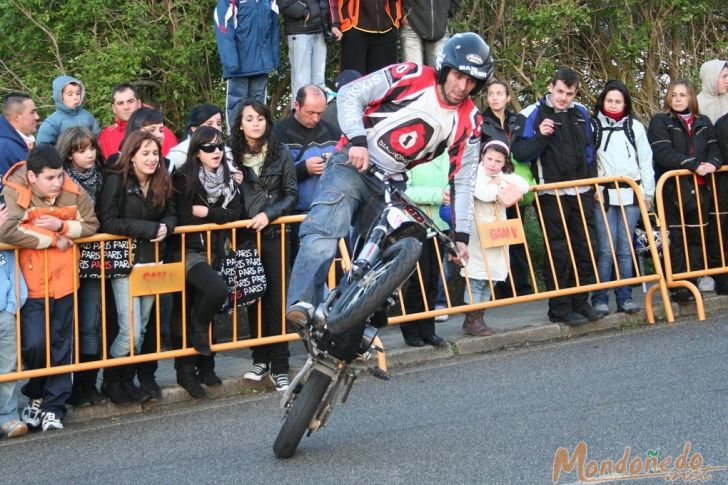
(157, 278)
(500, 233)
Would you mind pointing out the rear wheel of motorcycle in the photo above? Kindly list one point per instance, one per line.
(364, 297)
(300, 415)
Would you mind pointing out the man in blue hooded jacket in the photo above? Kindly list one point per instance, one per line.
(17, 124)
(248, 41)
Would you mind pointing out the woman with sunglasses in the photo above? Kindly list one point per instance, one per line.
(205, 193)
(269, 191)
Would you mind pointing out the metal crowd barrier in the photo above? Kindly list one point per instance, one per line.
(710, 228)
(510, 231)
(170, 277)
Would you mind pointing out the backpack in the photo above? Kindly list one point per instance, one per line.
(597, 130)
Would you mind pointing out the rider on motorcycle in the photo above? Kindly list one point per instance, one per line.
(394, 119)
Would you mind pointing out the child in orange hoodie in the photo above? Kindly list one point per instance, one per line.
(46, 211)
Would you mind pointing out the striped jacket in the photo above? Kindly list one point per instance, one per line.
(73, 206)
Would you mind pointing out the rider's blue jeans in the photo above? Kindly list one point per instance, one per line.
(345, 197)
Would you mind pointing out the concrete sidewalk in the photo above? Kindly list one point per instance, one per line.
(514, 325)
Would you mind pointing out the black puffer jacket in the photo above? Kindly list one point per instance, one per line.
(216, 215)
(492, 130)
(274, 192)
(124, 211)
(309, 16)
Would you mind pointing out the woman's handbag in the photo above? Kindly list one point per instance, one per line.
(117, 260)
(243, 273)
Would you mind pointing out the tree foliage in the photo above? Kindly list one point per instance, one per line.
(167, 47)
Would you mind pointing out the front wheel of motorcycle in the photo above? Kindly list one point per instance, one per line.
(300, 415)
(363, 297)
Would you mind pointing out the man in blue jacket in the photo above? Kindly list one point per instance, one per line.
(17, 125)
(248, 41)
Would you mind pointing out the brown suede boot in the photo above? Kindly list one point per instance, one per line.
(474, 324)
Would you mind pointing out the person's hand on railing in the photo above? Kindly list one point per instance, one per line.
(259, 222)
(63, 243)
(200, 210)
(705, 168)
(161, 233)
(462, 256)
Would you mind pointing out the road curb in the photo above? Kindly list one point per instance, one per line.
(407, 356)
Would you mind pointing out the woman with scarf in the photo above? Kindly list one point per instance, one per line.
(623, 150)
(682, 138)
(83, 161)
(269, 191)
(205, 193)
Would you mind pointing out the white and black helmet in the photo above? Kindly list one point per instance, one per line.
(468, 53)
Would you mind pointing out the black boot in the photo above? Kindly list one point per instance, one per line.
(199, 337)
(127, 383)
(206, 371)
(89, 379)
(186, 377)
(79, 395)
(112, 386)
(146, 374)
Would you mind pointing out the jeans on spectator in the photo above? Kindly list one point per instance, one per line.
(418, 50)
(480, 290)
(307, 55)
(240, 88)
(8, 363)
(89, 316)
(142, 309)
(345, 195)
(621, 241)
(54, 389)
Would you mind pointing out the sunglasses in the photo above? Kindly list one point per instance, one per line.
(211, 147)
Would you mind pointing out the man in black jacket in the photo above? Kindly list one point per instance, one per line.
(554, 136)
(307, 137)
(307, 24)
(424, 29)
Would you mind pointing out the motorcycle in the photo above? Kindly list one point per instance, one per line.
(341, 337)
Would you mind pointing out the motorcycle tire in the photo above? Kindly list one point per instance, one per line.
(300, 415)
(365, 296)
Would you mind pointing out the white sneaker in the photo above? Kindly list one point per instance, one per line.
(257, 372)
(706, 283)
(50, 421)
(441, 318)
(31, 414)
(281, 381)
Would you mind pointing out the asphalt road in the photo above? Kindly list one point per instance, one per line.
(495, 418)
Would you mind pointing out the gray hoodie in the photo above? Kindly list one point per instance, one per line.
(710, 103)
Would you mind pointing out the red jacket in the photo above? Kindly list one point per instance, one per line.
(111, 137)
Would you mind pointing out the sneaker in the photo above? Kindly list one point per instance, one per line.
(300, 314)
(628, 307)
(706, 283)
(281, 381)
(13, 429)
(441, 318)
(31, 414)
(601, 308)
(258, 371)
(50, 421)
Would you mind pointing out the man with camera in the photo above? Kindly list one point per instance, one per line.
(554, 136)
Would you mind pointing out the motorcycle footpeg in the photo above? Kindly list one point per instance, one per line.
(379, 373)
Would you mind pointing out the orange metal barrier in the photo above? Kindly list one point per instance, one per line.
(516, 226)
(170, 277)
(682, 229)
